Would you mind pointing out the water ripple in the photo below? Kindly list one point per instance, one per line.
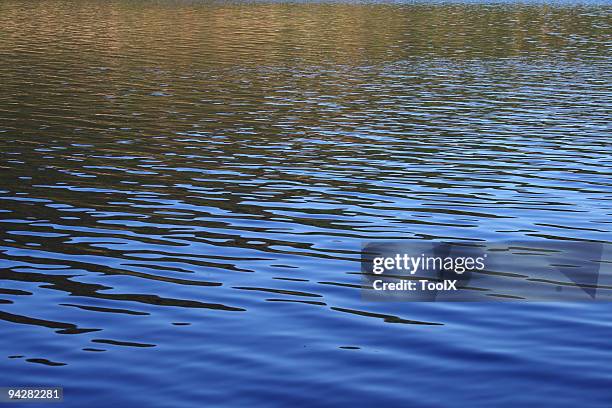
(167, 164)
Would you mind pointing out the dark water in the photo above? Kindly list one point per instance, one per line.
(185, 187)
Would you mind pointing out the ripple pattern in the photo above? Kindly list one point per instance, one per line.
(185, 187)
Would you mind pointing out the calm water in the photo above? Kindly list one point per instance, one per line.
(185, 187)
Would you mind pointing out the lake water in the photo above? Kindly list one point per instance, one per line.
(185, 188)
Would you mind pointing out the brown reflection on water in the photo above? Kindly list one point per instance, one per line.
(123, 34)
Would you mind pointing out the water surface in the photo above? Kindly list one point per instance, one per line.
(185, 188)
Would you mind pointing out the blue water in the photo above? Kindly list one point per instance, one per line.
(185, 188)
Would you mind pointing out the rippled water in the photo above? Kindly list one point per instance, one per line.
(185, 188)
